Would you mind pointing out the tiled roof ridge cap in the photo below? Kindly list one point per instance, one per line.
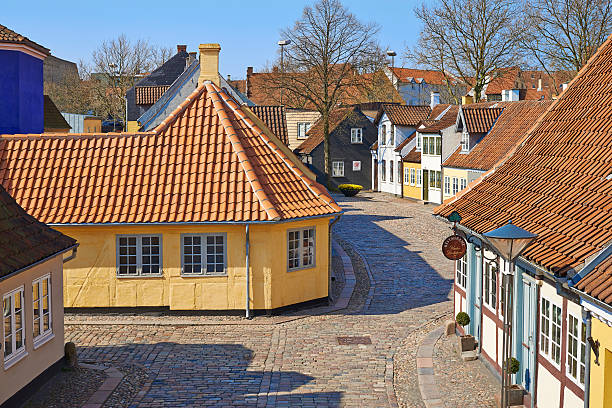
(214, 94)
(309, 183)
(178, 110)
(49, 135)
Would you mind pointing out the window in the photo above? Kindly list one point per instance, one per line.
(438, 146)
(337, 169)
(399, 172)
(406, 176)
(455, 185)
(301, 248)
(383, 167)
(383, 135)
(41, 307)
(303, 128)
(13, 319)
(418, 141)
(432, 179)
(463, 183)
(392, 136)
(438, 179)
(138, 255)
(550, 331)
(356, 135)
(425, 145)
(462, 271)
(446, 185)
(576, 348)
(204, 254)
(465, 141)
(390, 172)
(490, 285)
(356, 165)
(412, 177)
(419, 177)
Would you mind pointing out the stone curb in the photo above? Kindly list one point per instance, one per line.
(112, 381)
(430, 392)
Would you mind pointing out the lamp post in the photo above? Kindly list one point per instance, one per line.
(392, 54)
(509, 241)
(282, 44)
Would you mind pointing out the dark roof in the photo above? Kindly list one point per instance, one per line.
(480, 120)
(598, 283)
(274, 118)
(9, 36)
(557, 181)
(403, 115)
(24, 240)
(316, 135)
(53, 118)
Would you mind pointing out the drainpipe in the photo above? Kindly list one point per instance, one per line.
(329, 256)
(586, 317)
(72, 255)
(482, 266)
(248, 273)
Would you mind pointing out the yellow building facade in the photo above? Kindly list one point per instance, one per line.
(454, 180)
(413, 180)
(601, 374)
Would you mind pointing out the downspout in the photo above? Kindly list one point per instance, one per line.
(536, 344)
(586, 316)
(248, 273)
(71, 256)
(480, 302)
(329, 256)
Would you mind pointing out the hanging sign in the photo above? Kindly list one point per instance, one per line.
(454, 247)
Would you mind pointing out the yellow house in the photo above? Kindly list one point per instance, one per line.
(210, 210)
(413, 175)
(32, 329)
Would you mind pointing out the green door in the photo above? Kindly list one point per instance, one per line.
(425, 185)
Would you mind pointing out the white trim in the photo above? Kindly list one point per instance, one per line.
(15, 358)
(567, 349)
(300, 248)
(43, 335)
(548, 356)
(357, 133)
(139, 256)
(339, 172)
(41, 340)
(203, 254)
(23, 48)
(16, 353)
(598, 312)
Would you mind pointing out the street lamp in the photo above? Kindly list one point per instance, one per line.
(392, 54)
(282, 44)
(509, 241)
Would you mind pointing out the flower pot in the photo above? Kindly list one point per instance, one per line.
(349, 193)
(467, 343)
(515, 394)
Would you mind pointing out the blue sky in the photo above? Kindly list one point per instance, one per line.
(247, 30)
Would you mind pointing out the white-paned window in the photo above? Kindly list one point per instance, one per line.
(406, 176)
(303, 127)
(204, 254)
(301, 248)
(390, 172)
(41, 308)
(455, 185)
(139, 255)
(447, 185)
(412, 177)
(465, 141)
(356, 165)
(490, 285)
(418, 141)
(392, 136)
(382, 138)
(463, 183)
(383, 172)
(356, 135)
(337, 169)
(400, 166)
(550, 331)
(462, 271)
(576, 348)
(419, 177)
(13, 322)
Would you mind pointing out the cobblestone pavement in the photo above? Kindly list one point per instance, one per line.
(301, 363)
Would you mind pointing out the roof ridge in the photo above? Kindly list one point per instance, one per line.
(213, 92)
(164, 124)
(64, 135)
(311, 186)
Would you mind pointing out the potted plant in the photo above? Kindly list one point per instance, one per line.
(466, 342)
(515, 391)
(350, 190)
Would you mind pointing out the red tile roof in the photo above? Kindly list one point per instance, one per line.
(24, 240)
(421, 75)
(480, 120)
(504, 79)
(148, 95)
(316, 135)
(446, 121)
(598, 283)
(207, 162)
(556, 182)
(511, 126)
(412, 156)
(403, 115)
(405, 142)
(275, 119)
(10, 37)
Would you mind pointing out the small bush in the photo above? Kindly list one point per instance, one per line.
(350, 190)
(514, 365)
(462, 319)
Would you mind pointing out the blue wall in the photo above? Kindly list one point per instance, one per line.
(21, 93)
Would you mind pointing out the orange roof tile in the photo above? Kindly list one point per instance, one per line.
(446, 121)
(421, 75)
(556, 182)
(507, 78)
(148, 95)
(9, 36)
(511, 126)
(403, 115)
(412, 156)
(274, 117)
(598, 283)
(316, 135)
(480, 120)
(206, 162)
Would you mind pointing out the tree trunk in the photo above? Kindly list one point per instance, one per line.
(326, 149)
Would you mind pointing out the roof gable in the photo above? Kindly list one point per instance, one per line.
(316, 135)
(9, 36)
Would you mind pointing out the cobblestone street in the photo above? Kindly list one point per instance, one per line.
(300, 362)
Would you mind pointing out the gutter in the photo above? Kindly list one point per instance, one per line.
(586, 317)
(329, 255)
(248, 272)
(73, 248)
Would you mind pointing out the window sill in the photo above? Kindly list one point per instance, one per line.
(302, 268)
(15, 358)
(43, 339)
(202, 275)
(151, 276)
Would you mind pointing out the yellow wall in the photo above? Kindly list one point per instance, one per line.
(411, 191)
(452, 172)
(93, 125)
(37, 360)
(601, 375)
(132, 126)
(90, 279)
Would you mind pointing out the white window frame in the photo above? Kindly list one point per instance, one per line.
(465, 141)
(463, 183)
(383, 170)
(203, 254)
(418, 141)
(300, 248)
(412, 177)
(400, 166)
(301, 135)
(139, 256)
(490, 278)
(382, 137)
(406, 176)
(573, 340)
(546, 339)
(391, 166)
(356, 136)
(16, 353)
(419, 178)
(38, 313)
(392, 136)
(461, 272)
(337, 168)
(455, 185)
(447, 190)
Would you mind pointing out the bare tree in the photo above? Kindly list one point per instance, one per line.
(161, 54)
(469, 39)
(329, 50)
(561, 35)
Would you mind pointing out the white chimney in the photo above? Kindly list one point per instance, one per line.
(563, 87)
(209, 63)
(540, 84)
(435, 99)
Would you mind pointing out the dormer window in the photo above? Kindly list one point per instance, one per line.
(465, 141)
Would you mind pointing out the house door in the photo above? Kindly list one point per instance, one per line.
(425, 185)
(375, 177)
(528, 334)
(475, 277)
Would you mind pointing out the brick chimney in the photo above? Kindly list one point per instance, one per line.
(181, 48)
(209, 63)
(248, 89)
